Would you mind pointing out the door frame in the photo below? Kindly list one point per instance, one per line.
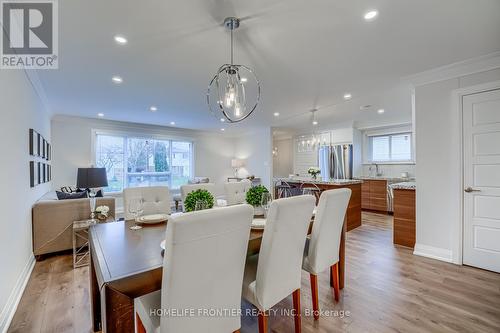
(457, 98)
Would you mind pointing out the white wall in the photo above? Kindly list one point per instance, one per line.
(438, 156)
(72, 148)
(21, 109)
(256, 149)
(283, 161)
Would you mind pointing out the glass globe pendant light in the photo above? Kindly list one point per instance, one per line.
(234, 91)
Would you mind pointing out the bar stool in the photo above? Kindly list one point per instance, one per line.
(284, 190)
(313, 190)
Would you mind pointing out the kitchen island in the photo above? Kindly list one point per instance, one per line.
(404, 213)
(353, 215)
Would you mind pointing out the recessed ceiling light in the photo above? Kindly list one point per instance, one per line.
(120, 40)
(371, 15)
(380, 111)
(172, 123)
(222, 120)
(243, 79)
(315, 122)
(222, 129)
(100, 114)
(153, 108)
(276, 114)
(117, 79)
(347, 96)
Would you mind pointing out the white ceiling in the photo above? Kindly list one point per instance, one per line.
(305, 53)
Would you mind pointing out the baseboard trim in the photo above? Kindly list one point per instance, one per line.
(15, 297)
(433, 252)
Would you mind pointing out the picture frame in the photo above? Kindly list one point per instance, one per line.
(44, 144)
(32, 174)
(33, 142)
(48, 151)
(38, 173)
(39, 145)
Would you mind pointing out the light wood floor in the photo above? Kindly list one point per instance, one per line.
(387, 290)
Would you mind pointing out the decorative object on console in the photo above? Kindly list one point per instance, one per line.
(102, 213)
(236, 164)
(314, 172)
(92, 178)
(232, 85)
(197, 196)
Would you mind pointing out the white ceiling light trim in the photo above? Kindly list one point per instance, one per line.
(117, 79)
(347, 96)
(153, 108)
(371, 15)
(380, 111)
(120, 40)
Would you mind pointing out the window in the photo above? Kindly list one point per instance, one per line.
(391, 148)
(136, 161)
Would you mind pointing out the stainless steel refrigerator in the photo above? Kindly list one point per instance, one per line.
(335, 162)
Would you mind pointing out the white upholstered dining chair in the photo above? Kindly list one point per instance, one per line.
(202, 271)
(186, 189)
(322, 248)
(275, 272)
(156, 200)
(236, 192)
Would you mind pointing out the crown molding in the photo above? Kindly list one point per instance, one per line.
(470, 66)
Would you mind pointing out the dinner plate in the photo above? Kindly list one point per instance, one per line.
(162, 244)
(153, 218)
(259, 223)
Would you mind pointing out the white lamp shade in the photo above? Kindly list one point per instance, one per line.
(237, 163)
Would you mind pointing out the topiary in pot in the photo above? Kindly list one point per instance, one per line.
(198, 195)
(254, 195)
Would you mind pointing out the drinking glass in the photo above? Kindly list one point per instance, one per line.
(135, 207)
(265, 202)
(200, 205)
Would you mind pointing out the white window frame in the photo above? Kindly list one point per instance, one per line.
(141, 135)
(387, 131)
(390, 160)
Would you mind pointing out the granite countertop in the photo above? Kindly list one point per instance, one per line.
(390, 179)
(320, 181)
(404, 186)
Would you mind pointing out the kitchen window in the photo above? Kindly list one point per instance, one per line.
(391, 148)
(132, 161)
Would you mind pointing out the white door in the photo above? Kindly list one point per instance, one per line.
(481, 129)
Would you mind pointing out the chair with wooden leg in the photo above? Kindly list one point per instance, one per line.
(203, 269)
(275, 273)
(322, 248)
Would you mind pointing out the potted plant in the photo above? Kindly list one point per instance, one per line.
(254, 198)
(314, 172)
(199, 195)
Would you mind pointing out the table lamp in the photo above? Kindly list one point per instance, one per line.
(90, 179)
(236, 164)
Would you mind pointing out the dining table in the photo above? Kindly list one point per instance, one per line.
(126, 264)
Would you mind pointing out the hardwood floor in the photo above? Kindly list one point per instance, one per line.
(388, 289)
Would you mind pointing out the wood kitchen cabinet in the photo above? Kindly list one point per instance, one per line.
(404, 217)
(374, 195)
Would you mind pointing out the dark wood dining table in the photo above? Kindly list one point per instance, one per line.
(126, 264)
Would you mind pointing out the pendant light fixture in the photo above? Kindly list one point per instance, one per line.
(234, 91)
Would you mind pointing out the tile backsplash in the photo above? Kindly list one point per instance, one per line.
(390, 170)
